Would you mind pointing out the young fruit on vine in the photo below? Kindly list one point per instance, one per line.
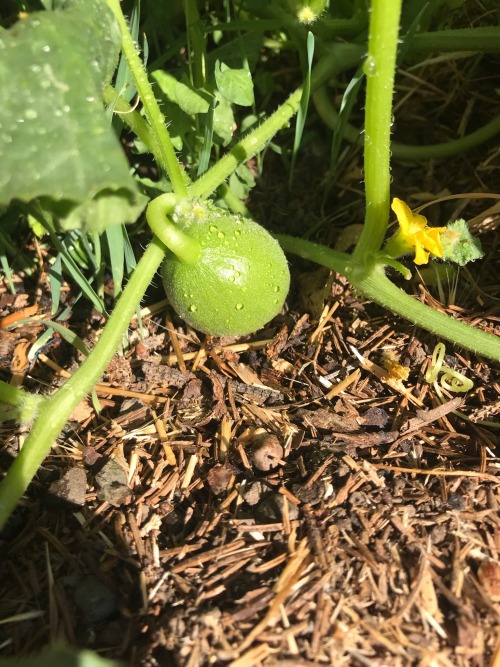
(232, 279)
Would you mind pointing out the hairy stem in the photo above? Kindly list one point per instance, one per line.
(185, 247)
(375, 285)
(59, 406)
(156, 119)
(380, 67)
(133, 120)
(330, 117)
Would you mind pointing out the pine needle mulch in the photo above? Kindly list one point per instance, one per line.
(285, 500)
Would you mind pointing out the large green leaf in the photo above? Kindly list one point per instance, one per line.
(55, 140)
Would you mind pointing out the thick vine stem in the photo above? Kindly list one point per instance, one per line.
(12, 395)
(56, 409)
(156, 119)
(370, 279)
(329, 115)
(338, 58)
(185, 247)
(379, 67)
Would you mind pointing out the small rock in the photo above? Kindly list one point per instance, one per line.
(489, 577)
(90, 456)
(72, 487)
(219, 476)
(94, 599)
(310, 494)
(267, 453)
(253, 492)
(112, 483)
(374, 417)
(270, 510)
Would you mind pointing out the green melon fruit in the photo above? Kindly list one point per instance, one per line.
(238, 283)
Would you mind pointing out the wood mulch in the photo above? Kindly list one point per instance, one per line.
(282, 500)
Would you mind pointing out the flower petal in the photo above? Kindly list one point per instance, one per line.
(414, 233)
(409, 222)
(430, 238)
(421, 255)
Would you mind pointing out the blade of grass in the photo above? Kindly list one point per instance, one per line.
(207, 140)
(349, 98)
(304, 103)
(6, 268)
(116, 247)
(65, 333)
(55, 281)
(124, 80)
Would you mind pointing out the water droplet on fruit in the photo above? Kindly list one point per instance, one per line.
(192, 308)
(239, 306)
(46, 48)
(277, 288)
(237, 274)
(220, 235)
(231, 279)
(30, 114)
(212, 228)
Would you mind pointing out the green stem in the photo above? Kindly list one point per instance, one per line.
(330, 117)
(315, 252)
(11, 395)
(247, 148)
(375, 285)
(59, 406)
(460, 39)
(379, 68)
(185, 247)
(133, 120)
(156, 119)
(337, 58)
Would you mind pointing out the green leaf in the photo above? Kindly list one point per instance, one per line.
(235, 85)
(241, 182)
(223, 120)
(189, 100)
(55, 139)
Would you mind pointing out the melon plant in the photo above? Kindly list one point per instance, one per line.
(238, 278)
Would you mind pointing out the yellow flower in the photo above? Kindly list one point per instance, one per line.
(415, 234)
